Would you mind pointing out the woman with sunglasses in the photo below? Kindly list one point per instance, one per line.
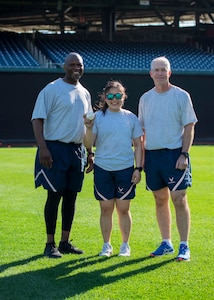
(115, 132)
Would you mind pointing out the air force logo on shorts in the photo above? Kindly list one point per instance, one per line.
(113, 184)
(67, 170)
(161, 172)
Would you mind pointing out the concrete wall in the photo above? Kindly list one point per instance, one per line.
(19, 90)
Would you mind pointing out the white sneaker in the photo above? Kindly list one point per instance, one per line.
(124, 250)
(107, 250)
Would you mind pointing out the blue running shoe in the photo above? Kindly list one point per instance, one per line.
(184, 253)
(163, 249)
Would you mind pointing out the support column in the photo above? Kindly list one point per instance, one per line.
(108, 24)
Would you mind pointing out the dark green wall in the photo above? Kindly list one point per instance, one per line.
(19, 91)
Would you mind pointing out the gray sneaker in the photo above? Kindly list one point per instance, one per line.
(124, 250)
(107, 250)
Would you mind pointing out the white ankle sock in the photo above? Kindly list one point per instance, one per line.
(125, 243)
(168, 241)
(184, 243)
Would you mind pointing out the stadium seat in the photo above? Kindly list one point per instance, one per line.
(100, 54)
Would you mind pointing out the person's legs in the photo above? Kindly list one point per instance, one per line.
(125, 223)
(106, 222)
(163, 212)
(182, 211)
(50, 213)
(124, 218)
(68, 210)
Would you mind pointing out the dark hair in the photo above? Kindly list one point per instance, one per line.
(102, 105)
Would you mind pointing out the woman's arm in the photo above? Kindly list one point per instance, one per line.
(136, 177)
(89, 137)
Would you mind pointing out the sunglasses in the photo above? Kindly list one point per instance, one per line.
(118, 96)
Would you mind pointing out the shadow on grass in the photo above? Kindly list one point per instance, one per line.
(20, 262)
(71, 278)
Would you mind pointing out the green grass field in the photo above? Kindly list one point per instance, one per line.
(26, 274)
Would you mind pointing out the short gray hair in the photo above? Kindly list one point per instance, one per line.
(162, 59)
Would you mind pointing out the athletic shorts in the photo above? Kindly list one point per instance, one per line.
(113, 184)
(67, 168)
(161, 172)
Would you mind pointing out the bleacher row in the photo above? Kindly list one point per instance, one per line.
(103, 55)
(14, 54)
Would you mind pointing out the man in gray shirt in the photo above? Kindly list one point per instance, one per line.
(60, 160)
(168, 118)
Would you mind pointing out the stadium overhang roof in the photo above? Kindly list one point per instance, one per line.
(95, 15)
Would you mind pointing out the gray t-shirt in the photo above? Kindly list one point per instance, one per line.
(114, 134)
(164, 115)
(62, 106)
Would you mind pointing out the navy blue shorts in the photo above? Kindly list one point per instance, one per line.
(113, 184)
(67, 169)
(161, 172)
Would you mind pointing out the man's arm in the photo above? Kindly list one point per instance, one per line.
(188, 137)
(44, 154)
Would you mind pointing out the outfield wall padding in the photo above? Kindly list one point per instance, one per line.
(19, 90)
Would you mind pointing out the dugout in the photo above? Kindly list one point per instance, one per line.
(19, 89)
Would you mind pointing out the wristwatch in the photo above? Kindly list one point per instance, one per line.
(140, 169)
(90, 153)
(185, 154)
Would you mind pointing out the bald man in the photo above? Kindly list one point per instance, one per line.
(61, 157)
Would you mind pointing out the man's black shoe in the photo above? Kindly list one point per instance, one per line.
(66, 247)
(52, 251)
